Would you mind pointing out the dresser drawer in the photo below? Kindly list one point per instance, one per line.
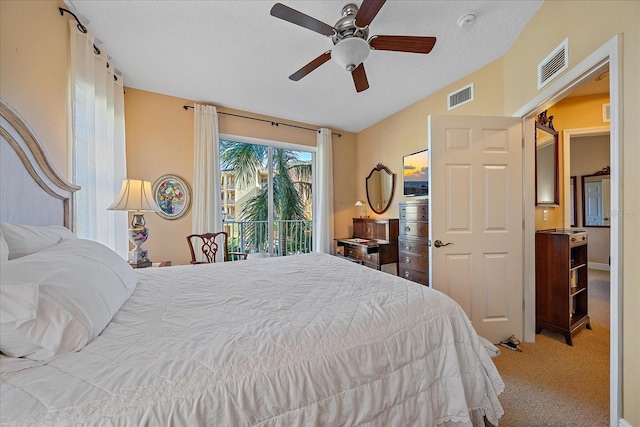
(417, 245)
(354, 260)
(413, 275)
(414, 261)
(413, 228)
(413, 241)
(371, 265)
(372, 258)
(362, 252)
(414, 212)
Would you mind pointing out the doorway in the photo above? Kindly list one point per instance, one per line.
(266, 194)
(588, 69)
(586, 162)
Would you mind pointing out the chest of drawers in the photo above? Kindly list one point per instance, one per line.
(413, 241)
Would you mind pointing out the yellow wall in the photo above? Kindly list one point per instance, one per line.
(34, 58)
(579, 112)
(588, 26)
(406, 131)
(575, 112)
(33, 79)
(160, 141)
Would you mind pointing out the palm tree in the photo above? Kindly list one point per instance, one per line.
(291, 188)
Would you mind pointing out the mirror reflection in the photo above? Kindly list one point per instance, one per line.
(546, 166)
(380, 188)
(596, 199)
(572, 201)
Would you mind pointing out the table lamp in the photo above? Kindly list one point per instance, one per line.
(135, 196)
(364, 213)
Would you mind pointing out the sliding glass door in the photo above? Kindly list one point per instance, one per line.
(266, 197)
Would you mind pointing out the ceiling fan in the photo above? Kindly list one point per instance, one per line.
(349, 36)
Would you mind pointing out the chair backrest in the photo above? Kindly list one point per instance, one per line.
(208, 244)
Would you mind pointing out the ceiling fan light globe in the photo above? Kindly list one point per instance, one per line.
(351, 52)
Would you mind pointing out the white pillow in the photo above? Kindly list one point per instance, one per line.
(4, 248)
(59, 299)
(24, 301)
(24, 240)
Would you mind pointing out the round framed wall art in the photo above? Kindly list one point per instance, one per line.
(172, 193)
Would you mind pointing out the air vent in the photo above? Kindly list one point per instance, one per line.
(460, 97)
(606, 112)
(555, 63)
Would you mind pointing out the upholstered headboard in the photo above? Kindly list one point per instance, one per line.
(31, 190)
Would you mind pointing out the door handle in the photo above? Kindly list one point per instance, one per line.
(439, 244)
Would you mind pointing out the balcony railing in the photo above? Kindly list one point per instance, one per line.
(290, 237)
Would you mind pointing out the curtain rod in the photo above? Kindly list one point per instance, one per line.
(186, 107)
(83, 30)
(81, 27)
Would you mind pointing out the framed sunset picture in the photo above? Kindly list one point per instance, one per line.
(415, 174)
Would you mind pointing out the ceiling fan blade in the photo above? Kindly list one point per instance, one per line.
(285, 12)
(311, 66)
(368, 10)
(413, 44)
(360, 78)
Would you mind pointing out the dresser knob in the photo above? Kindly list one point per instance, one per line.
(407, 274)
(407, 228)
(407, 247)
(407, 260)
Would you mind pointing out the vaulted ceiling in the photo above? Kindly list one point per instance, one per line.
(235, 54)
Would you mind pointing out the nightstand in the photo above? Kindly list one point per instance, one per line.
(161, 264)
(143, 264)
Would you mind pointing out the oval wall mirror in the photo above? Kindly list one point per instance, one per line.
(381, 184)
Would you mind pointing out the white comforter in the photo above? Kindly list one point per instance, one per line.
(292, 341)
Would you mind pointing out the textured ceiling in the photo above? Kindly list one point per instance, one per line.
(235, 54)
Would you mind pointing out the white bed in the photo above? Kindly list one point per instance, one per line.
(293, 341)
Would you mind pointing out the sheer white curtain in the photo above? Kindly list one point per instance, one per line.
(97, 143)
(323, 229)
(207, 206)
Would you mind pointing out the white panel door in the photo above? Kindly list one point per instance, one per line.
(593, 214)
(475, 223)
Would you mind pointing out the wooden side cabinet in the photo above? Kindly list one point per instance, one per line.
(561, 281)
(374, 242)
(413, 241)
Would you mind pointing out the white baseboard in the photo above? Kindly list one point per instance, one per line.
(623, 423)
(599, 266)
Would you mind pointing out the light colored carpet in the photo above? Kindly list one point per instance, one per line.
(552, 384)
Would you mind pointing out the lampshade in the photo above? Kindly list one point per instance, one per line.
(135, 195)
(364, 213)
(349, 53)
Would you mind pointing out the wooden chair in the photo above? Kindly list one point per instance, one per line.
(209, 247)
